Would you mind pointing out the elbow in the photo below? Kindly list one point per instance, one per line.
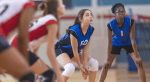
(50, 53)
(50, 50)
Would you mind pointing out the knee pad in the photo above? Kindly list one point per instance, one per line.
(40, 77)
(49, 76)
(3, 44)
(93, 64)
(69, 69)
(32, 58)
(29, 78)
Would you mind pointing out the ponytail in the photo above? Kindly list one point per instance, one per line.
(50, 7)
(42, 6)
(75, 23)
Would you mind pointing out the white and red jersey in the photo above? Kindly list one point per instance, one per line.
(38, 29)
(10, 13)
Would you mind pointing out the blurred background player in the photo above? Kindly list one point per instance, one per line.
(78, 38)
(16, 14)
(123, 29)
(42, 30)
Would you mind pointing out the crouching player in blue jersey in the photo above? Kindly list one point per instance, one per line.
(123, 29)
(68, 48)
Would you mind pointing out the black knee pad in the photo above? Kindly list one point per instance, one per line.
(27, 78)
(32, 58)
(3, 43)
(49, 76)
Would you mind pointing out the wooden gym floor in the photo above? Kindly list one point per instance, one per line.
(114, 75)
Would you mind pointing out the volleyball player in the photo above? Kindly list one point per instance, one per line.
(45, 29)
(78, 38)
(123, 29)
(15, 14)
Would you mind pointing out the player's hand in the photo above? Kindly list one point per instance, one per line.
(139, 61)
(85, 66)
(87, 73)
(2, 72)
(107, 65)
(86, 70)
(84, 74)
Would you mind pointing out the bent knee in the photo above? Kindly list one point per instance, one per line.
(69, 69)
(93, 64)
(139, 63)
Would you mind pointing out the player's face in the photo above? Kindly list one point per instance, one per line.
(87, 17)
(61, 8)
(120, 12)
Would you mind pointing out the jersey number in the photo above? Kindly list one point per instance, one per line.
(121, 33)
(3, 9)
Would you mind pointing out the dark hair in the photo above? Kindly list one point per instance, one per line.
(115, 6)
(77, 21)
(50, 7)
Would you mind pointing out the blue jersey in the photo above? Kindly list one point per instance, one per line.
(121, 35)
(65, 44)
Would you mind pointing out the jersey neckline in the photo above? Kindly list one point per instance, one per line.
(82, 31)
(122, 24)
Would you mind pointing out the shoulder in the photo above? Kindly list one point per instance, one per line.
(29, 3)
(128, 18)
(74, 30)
(49, 17)
(109, 26)
(112, 21)
(75, 27)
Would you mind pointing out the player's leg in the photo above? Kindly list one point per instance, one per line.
(65, 61)
(115, 50)
(40, 68)
(13, 62)
(39, 78)
(137, 61)
(36, 64)
(139, 64)
(93, 67)
(36, 51)
(104, 70)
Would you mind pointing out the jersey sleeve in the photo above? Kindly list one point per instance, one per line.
(51, 22)
(1, 31)
(73, 33)
(14, 42)
(92, 30)
(132, 21)
(109, 27)
(30, 4)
